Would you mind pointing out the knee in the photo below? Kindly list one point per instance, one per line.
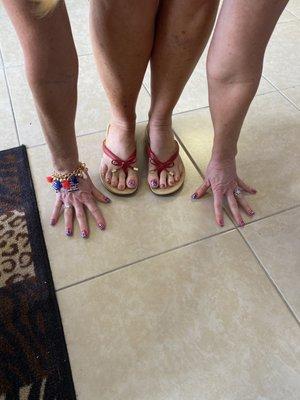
(231, 69)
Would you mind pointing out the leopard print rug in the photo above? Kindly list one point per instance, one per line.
(34, 362)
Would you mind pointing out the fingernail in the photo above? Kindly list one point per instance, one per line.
(194, 196)
(68, 232)
(101, 226)
(241, 224)
(162, 185)
(52, 222)
(254, 191)
(221, 223)
(131, 183)
(107, 200)
(84, 234)
(154, 183)
(251, 212)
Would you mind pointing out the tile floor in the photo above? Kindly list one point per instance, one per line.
(165, 305)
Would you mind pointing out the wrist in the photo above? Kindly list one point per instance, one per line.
(223, 154)
(65, 165)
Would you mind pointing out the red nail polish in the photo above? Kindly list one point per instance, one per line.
(84, 234)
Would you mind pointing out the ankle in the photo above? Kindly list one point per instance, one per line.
(160, 122)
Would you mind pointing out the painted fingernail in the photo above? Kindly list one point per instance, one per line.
(251, 212)
(154, 183)
(194, 196)
(107, 199)
(131, 183)
(221, 223)
(101, 226)
(68, 232)
(241, 224)
(52, 222)
(84, 234)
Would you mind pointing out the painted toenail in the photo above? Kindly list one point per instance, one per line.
(68, 232)
(131, 183)
(194, 196)
(154, 183)
(101, 226)
(84, 234)
(52, 222)
(107, 200)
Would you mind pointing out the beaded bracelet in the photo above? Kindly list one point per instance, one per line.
(67, 181)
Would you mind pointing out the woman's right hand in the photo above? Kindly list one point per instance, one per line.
(75, 203)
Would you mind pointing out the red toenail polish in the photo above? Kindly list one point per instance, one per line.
(84, 234)
(101, 226)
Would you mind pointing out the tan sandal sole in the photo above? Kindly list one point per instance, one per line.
(114, 190)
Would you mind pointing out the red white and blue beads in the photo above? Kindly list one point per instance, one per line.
(67, 181)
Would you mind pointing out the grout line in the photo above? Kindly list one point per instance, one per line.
(283, 94)
(145, 259)
(291, 12)
(272, 281)
(10, 99)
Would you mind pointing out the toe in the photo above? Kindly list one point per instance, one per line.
(176, 173)
(153, 178)
(115, 179)
(103, 169)
(122, 179)
(132, 179)
(108, 176)
(170, 178)
(163, 179)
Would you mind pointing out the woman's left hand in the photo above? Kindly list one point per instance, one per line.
(221, 177)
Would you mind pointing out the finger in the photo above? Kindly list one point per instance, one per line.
(201, 191)
(233, 205)
(81, 218)
(245, 205)
(95, 211)
(246, 187)
(100, 196)
(56, 211)
(218, 206)
(68, 215)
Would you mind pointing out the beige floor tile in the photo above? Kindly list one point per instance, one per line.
(8, 136)
(269, 150)
(293, 94)
(275, 241)
(138, 227)
(287, 16)
(199, 323)
(93, 107)
(78, 13)
(294, 7)
(282, 63)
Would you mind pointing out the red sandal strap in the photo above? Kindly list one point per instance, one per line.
(160, 166)
(117, 161)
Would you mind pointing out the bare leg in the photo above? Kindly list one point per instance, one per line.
(182, 30)
(52, 69)
(122, 35)
(234, 69)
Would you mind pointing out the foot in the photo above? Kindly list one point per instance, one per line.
(163, 146)
(121, 141)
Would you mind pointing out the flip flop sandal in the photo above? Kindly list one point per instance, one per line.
(120, 164)
(160, 166)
